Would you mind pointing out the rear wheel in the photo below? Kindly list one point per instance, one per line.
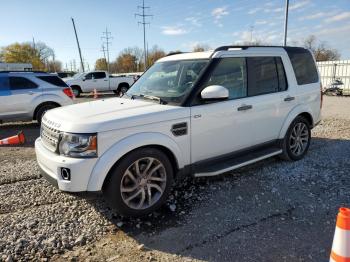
(297, 139)
(42, 110)
(140, 183)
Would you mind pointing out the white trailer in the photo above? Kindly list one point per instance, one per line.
(16, 67)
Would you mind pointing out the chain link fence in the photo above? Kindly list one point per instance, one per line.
(335, 73)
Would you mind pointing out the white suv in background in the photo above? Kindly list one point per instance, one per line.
(199, 114)
(28, 95)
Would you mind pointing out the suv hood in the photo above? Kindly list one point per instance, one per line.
(110, 114)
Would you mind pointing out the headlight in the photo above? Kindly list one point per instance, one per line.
(78, 145)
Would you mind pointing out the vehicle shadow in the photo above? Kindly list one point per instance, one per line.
(207, 210)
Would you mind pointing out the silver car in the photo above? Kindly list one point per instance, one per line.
(28, 95)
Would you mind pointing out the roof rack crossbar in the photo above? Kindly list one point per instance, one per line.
(227, 47)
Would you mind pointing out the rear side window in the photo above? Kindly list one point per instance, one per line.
(262, 76)
(17, 83)
(4, 83)
(53, 80)
(100, 75)
(303, 65)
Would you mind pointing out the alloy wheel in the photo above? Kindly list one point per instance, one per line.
(143, 183)
(299, 139)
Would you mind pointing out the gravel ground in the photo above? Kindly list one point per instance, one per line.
(269, 211)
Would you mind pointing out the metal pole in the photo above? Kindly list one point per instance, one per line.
(144, 32)
(107, 46)
(76, 36)
(286, 23)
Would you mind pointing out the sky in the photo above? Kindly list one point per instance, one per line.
(175, 24)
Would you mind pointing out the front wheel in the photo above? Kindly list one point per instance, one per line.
(140, 183)
(42, 110)
(297, 139)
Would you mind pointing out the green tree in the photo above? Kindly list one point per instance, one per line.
(154, 54)
(101, 64)
(39, 56)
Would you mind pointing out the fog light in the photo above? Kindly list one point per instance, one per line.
(65, 173)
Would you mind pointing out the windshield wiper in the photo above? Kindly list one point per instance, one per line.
(155, 98)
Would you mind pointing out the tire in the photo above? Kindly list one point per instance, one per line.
(128, 193)
(123, 89)
(42, 110)
(76, 91)
(295, 145)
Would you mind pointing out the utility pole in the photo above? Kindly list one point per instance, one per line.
(104, 54)
(143, 15)
(106, 37)
(286, 23)
(76, 36)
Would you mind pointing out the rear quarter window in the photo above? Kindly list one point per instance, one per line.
(53, 80)
(303, 65)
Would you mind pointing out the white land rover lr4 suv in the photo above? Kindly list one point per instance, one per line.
(199, 114)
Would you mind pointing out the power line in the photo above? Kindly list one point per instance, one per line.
(106, 41)
(143, 16)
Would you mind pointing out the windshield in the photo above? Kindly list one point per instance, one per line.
(169, 81)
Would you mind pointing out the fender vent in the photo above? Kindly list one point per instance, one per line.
(179, 129)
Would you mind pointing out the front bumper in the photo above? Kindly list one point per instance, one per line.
(51, 164)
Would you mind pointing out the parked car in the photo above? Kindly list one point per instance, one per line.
(99, 80)
(28, 95)
(199, 114)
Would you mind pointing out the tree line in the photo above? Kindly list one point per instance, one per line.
(41, 56)
(131, 59)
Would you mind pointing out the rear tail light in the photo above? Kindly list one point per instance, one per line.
(68, 91)
(321, 96)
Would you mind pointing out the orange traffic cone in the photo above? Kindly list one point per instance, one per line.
(341, 242)
(95, 94)
(14, 140)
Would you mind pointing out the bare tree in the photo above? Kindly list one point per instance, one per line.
(321, 50)
(200, 48)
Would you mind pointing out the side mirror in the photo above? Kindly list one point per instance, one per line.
(214, 92)
(84, 78)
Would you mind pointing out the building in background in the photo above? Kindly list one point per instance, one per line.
(16, 67)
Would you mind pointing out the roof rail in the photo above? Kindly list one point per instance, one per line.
(227, 47)
(175, 53)
(23, 71)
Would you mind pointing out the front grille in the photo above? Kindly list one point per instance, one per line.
(50, 137)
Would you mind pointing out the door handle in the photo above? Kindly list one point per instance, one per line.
(105, 80)
(30, 93)
(244, 107)
(289, 98)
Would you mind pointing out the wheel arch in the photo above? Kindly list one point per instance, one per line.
(44, 104)
(298, 111)
(115, 154)
(76, 86)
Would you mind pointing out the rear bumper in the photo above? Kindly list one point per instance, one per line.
(51, 164)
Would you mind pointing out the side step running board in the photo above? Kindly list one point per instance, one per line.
(234, 165)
